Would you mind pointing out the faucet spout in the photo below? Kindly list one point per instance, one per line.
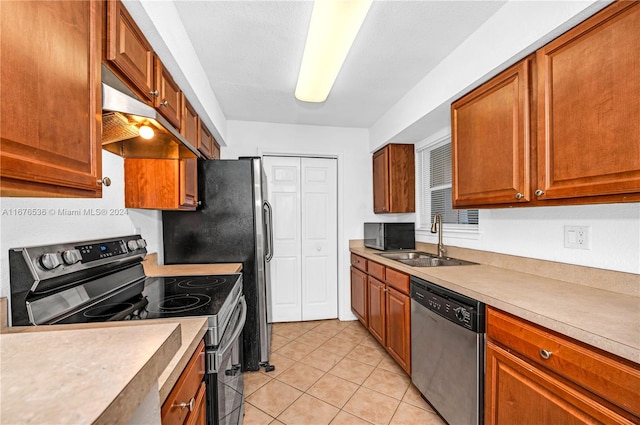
(436, 227)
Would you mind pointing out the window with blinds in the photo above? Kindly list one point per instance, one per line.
(436, 197)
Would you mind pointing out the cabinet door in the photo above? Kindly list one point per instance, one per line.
(163, 184)
(215, 154)
(169, 99)
(128, 50)
(589, 107)
(50, 98)
(188, 182)
(381, 181)
(377, 309)
(359, 295)
(394, 179)
(518, 392)
(188, 389)
(205, 143)
(399, 328)
(490, 141)
(190, 127)
(402, 178)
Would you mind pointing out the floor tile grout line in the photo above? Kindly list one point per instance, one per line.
(339, 358)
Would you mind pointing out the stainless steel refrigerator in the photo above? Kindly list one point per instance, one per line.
(232, 225)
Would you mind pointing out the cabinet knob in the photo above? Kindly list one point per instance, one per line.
(164, 103)
(190, 405)
(539, 192)
(545, 354)
(519, 196)
(154, 93)
(104, 181)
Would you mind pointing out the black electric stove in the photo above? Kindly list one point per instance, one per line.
(99, 281)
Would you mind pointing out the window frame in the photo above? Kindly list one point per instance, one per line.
(423, 209)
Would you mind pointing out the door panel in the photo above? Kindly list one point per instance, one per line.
(319, 239)
(286, 296)
(303, 193)
(284, 196)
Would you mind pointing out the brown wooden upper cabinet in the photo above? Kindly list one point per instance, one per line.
(163, 184)
(169, 98)
(589, 108)
(490, 140)
(561, 128)
(394, 179)
(190, 127)
(50, 99)
(207, 144)
(128, 51)
(129, 54)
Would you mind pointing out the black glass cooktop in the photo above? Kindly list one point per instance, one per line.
(161, 297)
(181, 296)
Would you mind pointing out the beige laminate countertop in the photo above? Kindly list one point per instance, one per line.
(604, 319)
(152, 268)
(82, 376)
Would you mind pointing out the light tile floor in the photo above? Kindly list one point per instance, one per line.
(332, 372)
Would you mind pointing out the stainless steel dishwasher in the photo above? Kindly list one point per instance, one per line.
(447, 351)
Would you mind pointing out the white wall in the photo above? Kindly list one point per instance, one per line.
(56, 226)
(350, 146)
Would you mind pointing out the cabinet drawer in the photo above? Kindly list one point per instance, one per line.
(376, 270)
(398, 280)
(611, 379)
(358, 262)
(185, 390)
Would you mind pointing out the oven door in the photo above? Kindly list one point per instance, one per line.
(225, 382)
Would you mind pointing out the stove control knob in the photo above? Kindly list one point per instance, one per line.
(142, 243)
(459, 313)
(71, 256)
(132, 245)
(49, 261)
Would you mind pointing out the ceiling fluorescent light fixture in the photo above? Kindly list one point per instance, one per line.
(333, 28)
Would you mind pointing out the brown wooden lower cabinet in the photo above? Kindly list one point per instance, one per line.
(377, 309)
(518, 392)
(359, 295)
(535, 376)
(186, 403)
(398, 327)
(199, 414)
(380, 299)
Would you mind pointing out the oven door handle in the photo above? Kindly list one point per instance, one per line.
(236, 332)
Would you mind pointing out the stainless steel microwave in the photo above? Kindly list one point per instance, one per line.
(389, 236)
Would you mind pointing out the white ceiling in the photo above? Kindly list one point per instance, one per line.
(251, 52)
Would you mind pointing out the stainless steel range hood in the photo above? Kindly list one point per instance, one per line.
(122, 116)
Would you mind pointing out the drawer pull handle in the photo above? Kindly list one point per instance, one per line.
(545, 354)
(190, 405)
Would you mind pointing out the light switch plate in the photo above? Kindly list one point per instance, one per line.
(577, 237)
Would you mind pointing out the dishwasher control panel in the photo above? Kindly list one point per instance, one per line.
(455, 307)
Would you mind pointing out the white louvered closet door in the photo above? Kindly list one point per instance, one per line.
(304, 269)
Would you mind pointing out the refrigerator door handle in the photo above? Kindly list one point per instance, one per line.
(268, 220)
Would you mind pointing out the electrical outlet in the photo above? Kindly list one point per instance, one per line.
(577, 237)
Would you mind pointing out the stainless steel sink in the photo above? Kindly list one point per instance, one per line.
(409, 255)
(423, 259)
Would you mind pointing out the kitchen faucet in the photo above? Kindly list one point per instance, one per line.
(435, 228)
